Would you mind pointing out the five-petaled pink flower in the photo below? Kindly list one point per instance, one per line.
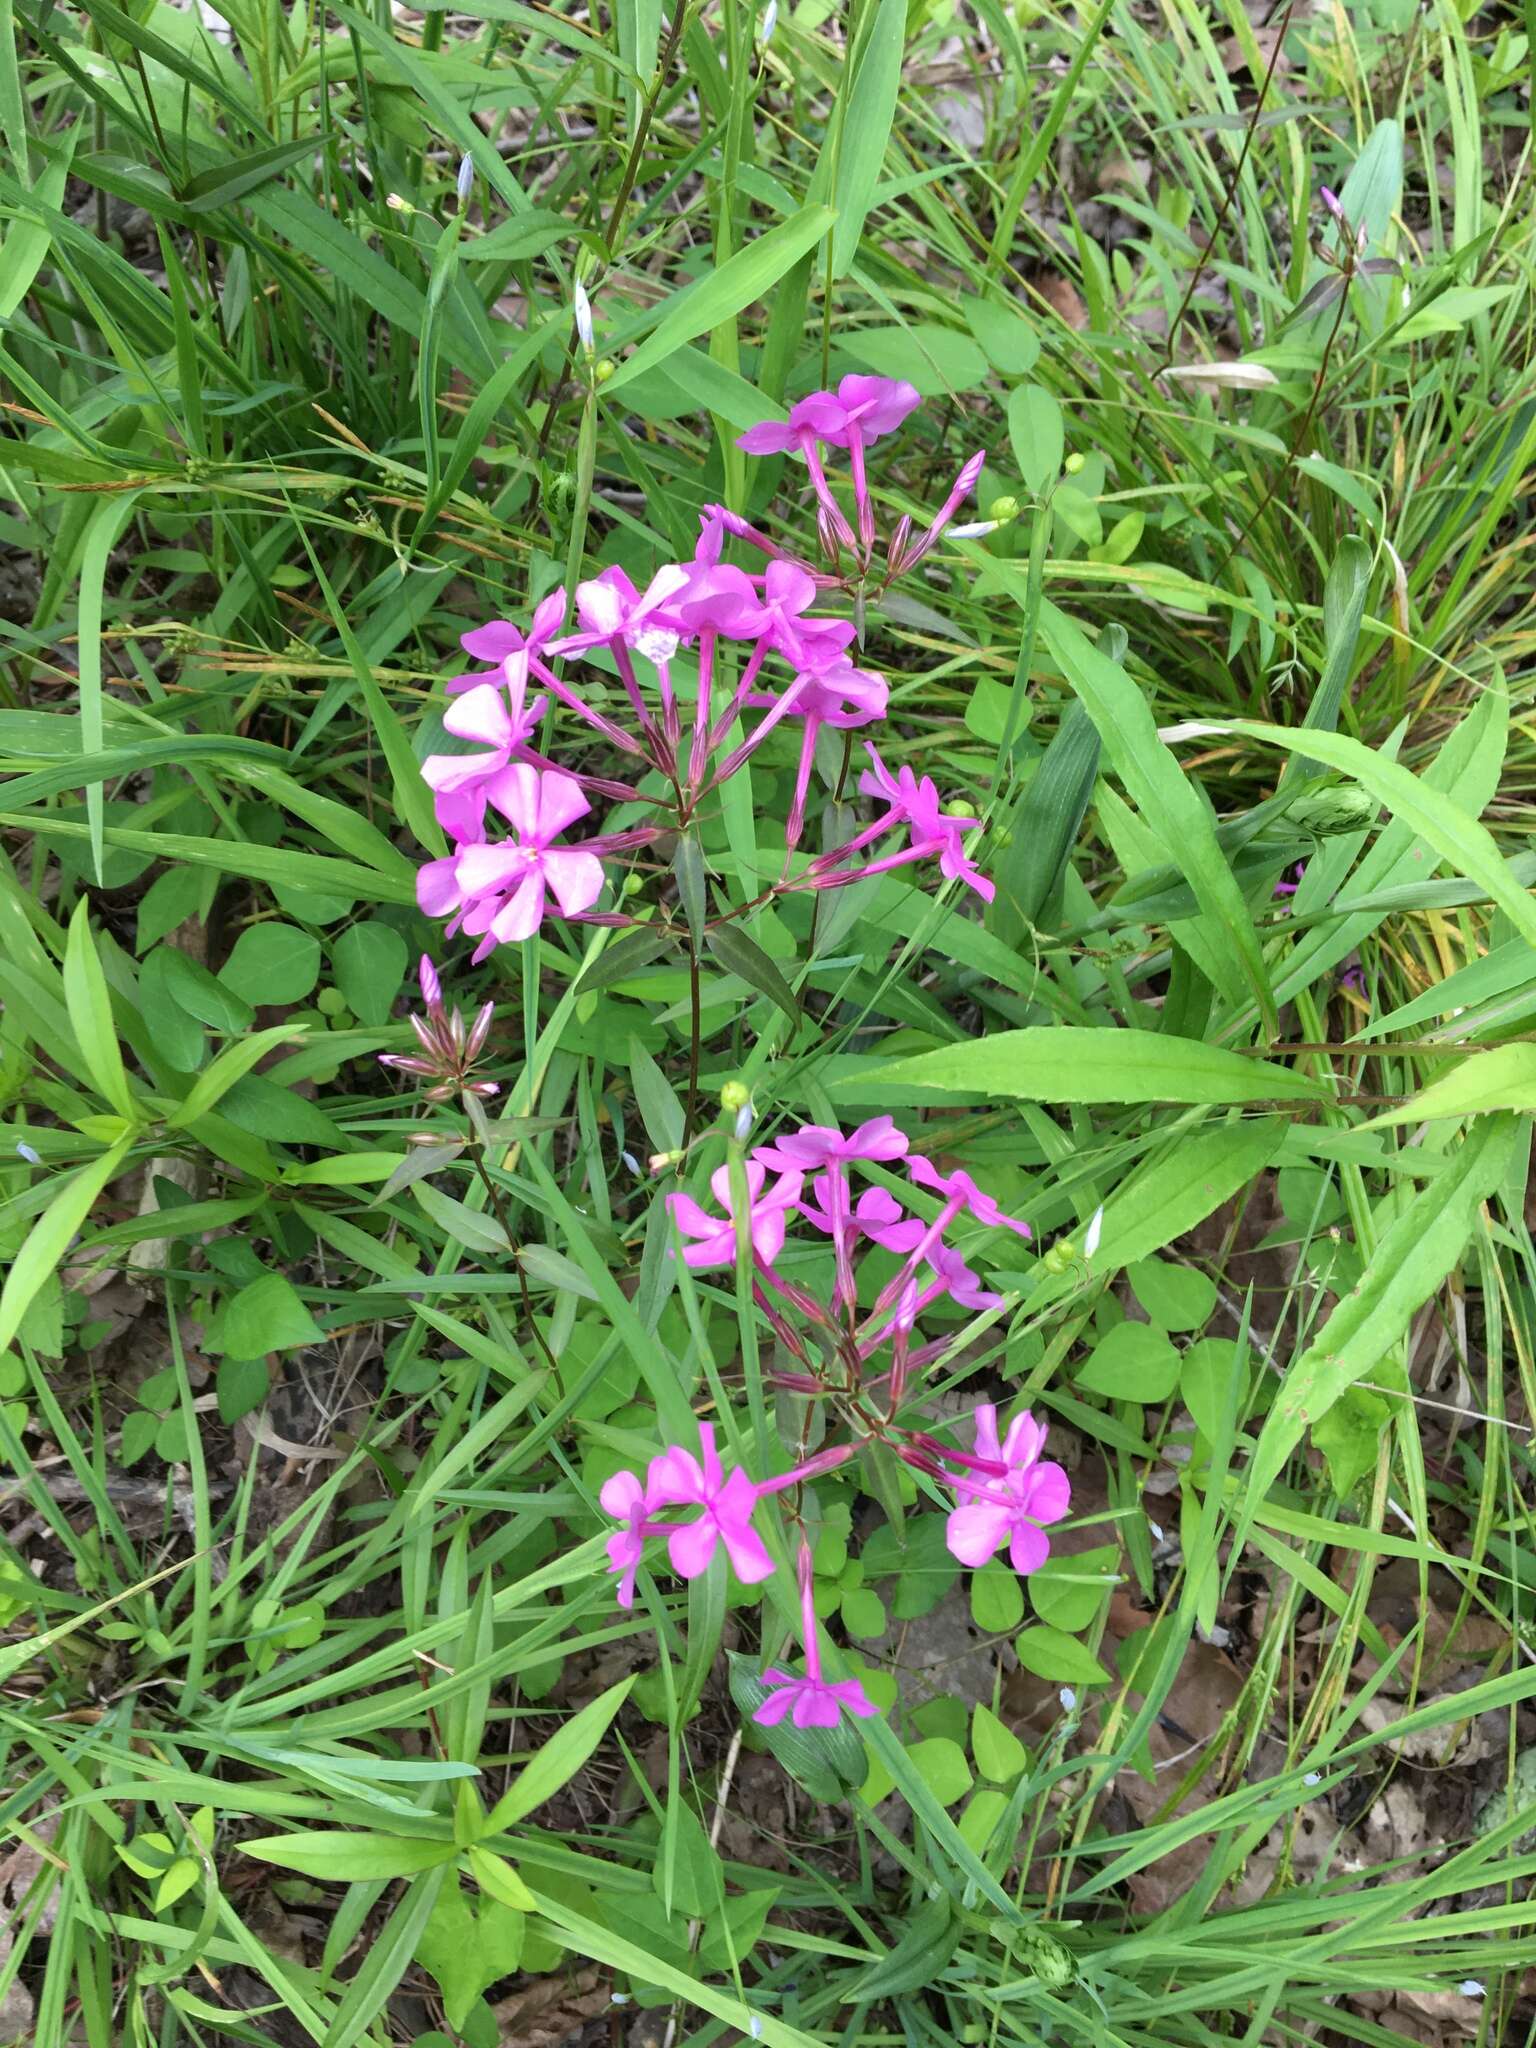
(678, 1479)
(811, 1701)
(500, 890)
(767, 1217)
(1010, 1509)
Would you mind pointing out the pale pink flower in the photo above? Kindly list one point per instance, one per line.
(501, 890)
(767, 1216)
(497, 718)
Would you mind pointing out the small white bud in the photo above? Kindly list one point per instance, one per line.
(618, 1998)
(755, 2026)
(745, 1116)
(398, 205)
(1095, 1227)
(769, 24)
(975, 530)
(1313, 1778)
(466, 179)
(1470, 1988)
(633, 1164)
(1068, 1698)
(582, 307)
(1157, 1534)
(32, 1158)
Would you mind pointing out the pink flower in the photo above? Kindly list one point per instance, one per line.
(1012, 1508)
(625, 1498)
(498, 719)
(961, 1192)
(767, 1217)
(679, 1479)
(501, 890)
(812, 1701)
(507, 646)
(858, 412)
(610, 608)
(914, 802)
(824, 1145)
(816, 1145)
(876, 1215)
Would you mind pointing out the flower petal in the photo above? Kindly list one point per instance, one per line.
(1030, 1547)
(691, 1549)
(973, 1532)
(575, 877)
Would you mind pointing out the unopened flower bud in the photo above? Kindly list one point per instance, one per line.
(603, 369)
(29, 1153)
(581, 306)
(398, 205)
(1003, 508)
(466, 179)
(1074, 463)
(1095, 1230)
(745, 1117)
(975, 531)
(735, 1095)
(769, 24)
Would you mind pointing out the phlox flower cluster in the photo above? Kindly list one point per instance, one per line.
(682, 682)
(859, 1350)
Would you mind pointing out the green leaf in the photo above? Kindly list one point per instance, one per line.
(999, 1753)
(267, 1316)
(468, 1948)
(1007, 335)
(272, 963)
(997, 1599)
(1038, 435)
(1088, 1063)
(1504, 1078)
(1411, 1260)
(866, 129)
(90, 1015)
(51, 1236)
(1068, 1590)
(222, 184)
(1045, 825)
(1169, 803)
(193, 989)
(1133, 1362)
(340, 1857)
(1461, 841)
(241, 1385)
(1058, 1658)
(224, 1071)
(1175, 1297)
(560, 1758)
(495, 1875)
(743, 956)
(937, 360)
(369, 962)
(723, 292)
(1206, 1373)
(1451, 309)
(942, 1767)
